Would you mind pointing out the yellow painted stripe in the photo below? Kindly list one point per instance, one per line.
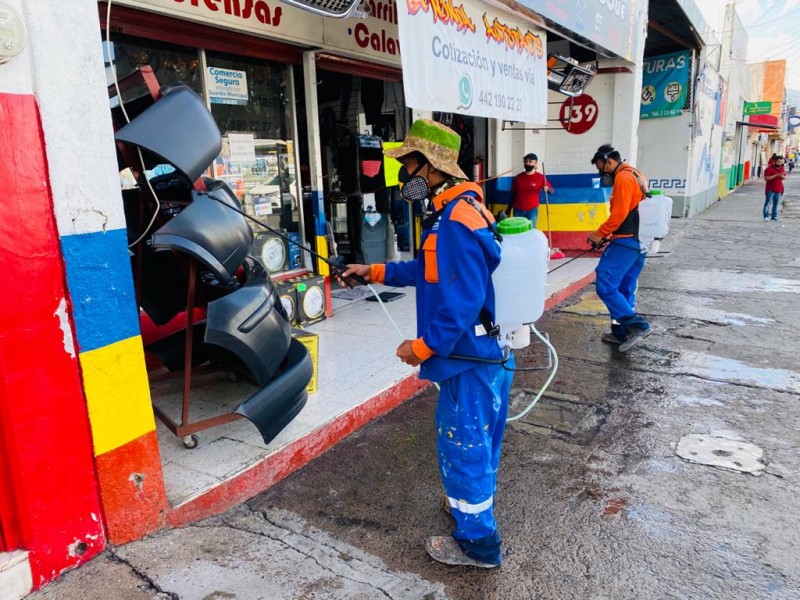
(722, 187)
(117, 393)
(573, 217)
(322, 250)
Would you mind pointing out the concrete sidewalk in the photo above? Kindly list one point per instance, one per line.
(359, 379)
(595, 501)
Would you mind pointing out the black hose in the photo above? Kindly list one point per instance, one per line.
(573, 259)
(337, 267)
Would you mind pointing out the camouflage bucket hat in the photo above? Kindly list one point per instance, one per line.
(439, 144)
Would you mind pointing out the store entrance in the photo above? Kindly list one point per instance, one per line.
(366, 219)
(474, 142)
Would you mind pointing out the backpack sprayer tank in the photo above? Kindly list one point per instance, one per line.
(654, 216)
(520, 280)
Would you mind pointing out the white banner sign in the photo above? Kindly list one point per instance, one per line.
(472, 59)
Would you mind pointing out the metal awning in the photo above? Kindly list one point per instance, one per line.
(759, 125)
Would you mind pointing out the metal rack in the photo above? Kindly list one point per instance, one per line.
(185, 429)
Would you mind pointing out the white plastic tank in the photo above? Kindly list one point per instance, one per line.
(521, 277)
(654, 217)
(665, 206)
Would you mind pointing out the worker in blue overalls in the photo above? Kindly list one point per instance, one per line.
(455, 309)
(617, 272)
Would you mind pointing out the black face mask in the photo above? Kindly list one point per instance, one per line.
(415, 188)
(529, 168)
(606, 179)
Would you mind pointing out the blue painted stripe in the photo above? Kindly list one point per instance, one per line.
(578, 195)
(318, 210)
(101, 288)
(573, 180)
(575, 188)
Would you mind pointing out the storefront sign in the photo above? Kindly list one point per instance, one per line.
(260, 17)
(612, 24)
(664, 82)
(226, 86)
(463, 56)
(757, 108)
(375, 37)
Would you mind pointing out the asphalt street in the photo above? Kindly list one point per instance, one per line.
(670, 472)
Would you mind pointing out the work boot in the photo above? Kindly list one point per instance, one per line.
(445, 549)
(609, 338)
(635, 335)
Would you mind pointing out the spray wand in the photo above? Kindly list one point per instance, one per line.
(338, 267)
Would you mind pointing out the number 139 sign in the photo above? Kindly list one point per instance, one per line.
(579, 114)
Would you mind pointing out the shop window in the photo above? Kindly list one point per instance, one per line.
(172, 65)
(250, 102)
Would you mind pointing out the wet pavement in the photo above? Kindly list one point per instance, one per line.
(668, 472)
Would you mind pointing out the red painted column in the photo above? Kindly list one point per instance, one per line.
(52, 499)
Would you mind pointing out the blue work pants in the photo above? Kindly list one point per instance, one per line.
(470, 421)
(616, 279)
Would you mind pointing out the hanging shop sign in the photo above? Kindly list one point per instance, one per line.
(463, 56)
(579, 114)
(757, 108)
(611, 24)
(665, 79)
(226, 86)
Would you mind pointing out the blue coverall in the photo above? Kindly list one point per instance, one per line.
(452, 276)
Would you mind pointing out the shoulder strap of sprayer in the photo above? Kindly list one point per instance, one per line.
(492, 330)
(470, 199)
(639, 179)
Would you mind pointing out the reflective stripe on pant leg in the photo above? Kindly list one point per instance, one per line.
(470, 417)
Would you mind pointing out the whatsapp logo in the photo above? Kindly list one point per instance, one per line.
(464, 92)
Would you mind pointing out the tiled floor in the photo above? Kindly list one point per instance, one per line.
(356, 362)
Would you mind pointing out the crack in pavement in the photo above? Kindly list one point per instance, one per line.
(338, 551)
(113, 556)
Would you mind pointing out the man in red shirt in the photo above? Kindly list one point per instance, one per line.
(774, 176)
(526, 189)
